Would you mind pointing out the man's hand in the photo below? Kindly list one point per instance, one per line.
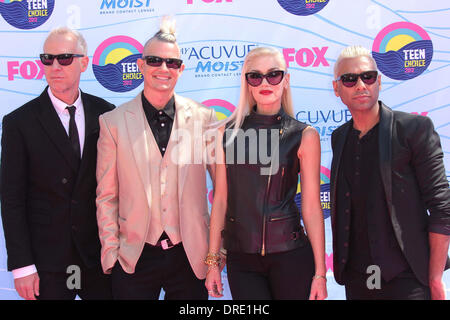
(437, 288)
(439, 244)
(28, 287)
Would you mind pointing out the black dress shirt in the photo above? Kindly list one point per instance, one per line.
(160, 121)
(372, 238)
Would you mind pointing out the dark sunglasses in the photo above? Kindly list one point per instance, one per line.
(273, 77)
(155, 61)
(350, 79)
(64, 59)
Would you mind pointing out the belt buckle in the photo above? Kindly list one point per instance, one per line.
(166, 244)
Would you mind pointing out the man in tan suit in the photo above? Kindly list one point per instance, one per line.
(151, 198)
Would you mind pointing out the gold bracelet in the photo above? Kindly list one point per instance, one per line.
(319, 277)
(212, 259)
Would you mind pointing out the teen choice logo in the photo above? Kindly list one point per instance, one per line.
(26, 14)
(303, 7)
(223, 108)
(114, 63)
(324, 192)
(402, 50)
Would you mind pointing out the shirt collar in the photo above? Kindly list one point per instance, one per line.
(372, 132)
(169, 108)
(60, 106)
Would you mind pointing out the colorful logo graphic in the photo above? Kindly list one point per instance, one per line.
(114, 63)
(325, 174)
(402, 50)
(223, 108)
(303, 7)
(23, 14)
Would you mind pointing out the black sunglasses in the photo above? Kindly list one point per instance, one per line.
(155, 61)
(273, 77)
(64, 59)
(350, 79)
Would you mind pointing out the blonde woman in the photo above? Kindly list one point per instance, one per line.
(264, 148)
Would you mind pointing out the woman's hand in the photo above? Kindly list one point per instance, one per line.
(213, 282)
(318, 289)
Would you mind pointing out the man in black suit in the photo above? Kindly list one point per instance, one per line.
(387, 171)
(48, 162)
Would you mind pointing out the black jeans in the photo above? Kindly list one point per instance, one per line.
(159, 269)
(405, 286)
(281, 276)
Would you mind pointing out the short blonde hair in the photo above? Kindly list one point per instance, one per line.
(81, 42)
(353, 52)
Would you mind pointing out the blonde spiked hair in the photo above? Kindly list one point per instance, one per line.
(354, 51)
(166, 32)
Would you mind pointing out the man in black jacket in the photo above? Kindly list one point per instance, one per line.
(387, 171)
(48, 162)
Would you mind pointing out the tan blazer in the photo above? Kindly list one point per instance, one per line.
(124, 182)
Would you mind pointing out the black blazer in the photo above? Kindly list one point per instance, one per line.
(414, 181)
(46, 200)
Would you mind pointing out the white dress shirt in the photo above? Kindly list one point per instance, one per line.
(64, 116)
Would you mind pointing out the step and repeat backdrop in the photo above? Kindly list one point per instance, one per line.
(409, 40)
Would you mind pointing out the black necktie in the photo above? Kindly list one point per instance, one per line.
(73, 132)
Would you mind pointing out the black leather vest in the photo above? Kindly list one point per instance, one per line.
(262, 216)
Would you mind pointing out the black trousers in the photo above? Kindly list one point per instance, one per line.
(281, 276)
(159, 269)
(93, 283)
(405, 286)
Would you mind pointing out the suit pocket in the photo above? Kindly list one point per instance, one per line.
(39, 218)
(38, 204)
(401, 162)
(284, 217)
(285, 228)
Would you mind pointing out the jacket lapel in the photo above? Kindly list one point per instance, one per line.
(341, 137)
(90, 121)
(183, 118)
(52, 125)
(385, 151)
(136, 126)
(91, 127)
